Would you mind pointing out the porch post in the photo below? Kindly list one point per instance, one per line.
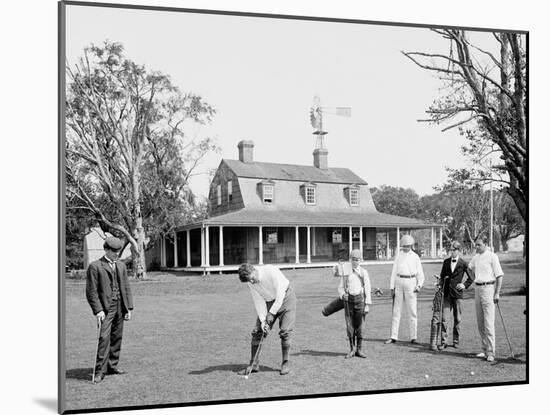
(350, 241)
(361, 241)
(297, 240)
(313, 242)
(175, 249)
(202, 247)
(441, 240)
(261, 246)
(398, 241)
(388, 256)
(221, 246)
(188, 236)
(308, 245)
(207, 246)
(432, 234)
(163, 252)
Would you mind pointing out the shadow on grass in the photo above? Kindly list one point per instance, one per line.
(82, 373)
(308, 352)
(229, 368)
(515, 361)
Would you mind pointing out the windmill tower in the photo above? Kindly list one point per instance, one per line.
(316, 113)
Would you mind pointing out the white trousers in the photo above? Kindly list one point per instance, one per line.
(404, 293)
(485, 312)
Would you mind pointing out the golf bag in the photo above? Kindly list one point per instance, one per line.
(436, 307)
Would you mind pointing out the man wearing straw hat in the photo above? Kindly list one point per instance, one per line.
(407, 278)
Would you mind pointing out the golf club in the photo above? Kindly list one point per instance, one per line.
(96, 349)
(256, 355)
(505, 332)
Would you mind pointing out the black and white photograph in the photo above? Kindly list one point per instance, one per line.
(275, 208)
(263, 206)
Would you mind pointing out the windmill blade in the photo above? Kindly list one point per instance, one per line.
(343, 111)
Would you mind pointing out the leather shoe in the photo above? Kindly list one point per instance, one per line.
(433, 348)
(249, 369)
(413, 341)
(285, 369)
(442, 346)
(116, 371)
(389, 341)
(99, 377)
(456, 346)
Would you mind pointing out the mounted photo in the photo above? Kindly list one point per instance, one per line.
(262, 207)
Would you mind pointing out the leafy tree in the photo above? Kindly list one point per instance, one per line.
(396, 200)
(484, 93)
(128, 158)
(508, 222)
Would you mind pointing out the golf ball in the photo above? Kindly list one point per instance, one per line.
(472, 373)
(246, 377)
(426, 376)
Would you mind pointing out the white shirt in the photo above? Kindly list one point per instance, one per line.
(486, 266)
(453, 263)
(111, 263)
(354, 283)
(271, 286)
(407, 263)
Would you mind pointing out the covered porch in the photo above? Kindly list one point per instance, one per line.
(207, 247)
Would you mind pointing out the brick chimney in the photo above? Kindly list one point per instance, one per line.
(320, 158)
(246, 151)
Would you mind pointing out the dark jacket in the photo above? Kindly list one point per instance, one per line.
(455, 277)
(99, 278)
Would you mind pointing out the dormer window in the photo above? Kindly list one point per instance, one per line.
(267, 191)
(354, 197)
(219, 191)
(309, 193)
(352, 194)
(229, 190)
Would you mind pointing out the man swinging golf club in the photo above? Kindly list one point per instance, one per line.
(273, 299)
(354, 290)
(108, 293)
(406, 280)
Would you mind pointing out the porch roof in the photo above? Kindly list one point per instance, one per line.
(249, 217)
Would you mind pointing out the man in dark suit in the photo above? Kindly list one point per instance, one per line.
(452, 279)
(108, 293)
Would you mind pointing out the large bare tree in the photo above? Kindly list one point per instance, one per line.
(128, 159)
(484, 94)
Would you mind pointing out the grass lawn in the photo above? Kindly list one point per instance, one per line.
(189, 335)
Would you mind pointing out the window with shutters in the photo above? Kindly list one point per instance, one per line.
(229, 191)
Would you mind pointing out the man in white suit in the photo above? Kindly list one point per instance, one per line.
(407, 278)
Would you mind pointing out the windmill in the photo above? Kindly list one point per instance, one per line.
(316, 117)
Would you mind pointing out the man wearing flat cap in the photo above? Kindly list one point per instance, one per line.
(108, 293)
(354, 291)
(455, 276)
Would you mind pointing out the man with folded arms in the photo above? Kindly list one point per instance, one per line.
(488, 280)
(407, 278)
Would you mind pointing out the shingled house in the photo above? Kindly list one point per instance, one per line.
(289, 215)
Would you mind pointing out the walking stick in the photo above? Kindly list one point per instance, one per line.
(505, 332)
(96, 349)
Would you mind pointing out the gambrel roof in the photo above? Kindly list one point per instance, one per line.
(293, 172)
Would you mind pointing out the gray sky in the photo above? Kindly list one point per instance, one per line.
(261, 75)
